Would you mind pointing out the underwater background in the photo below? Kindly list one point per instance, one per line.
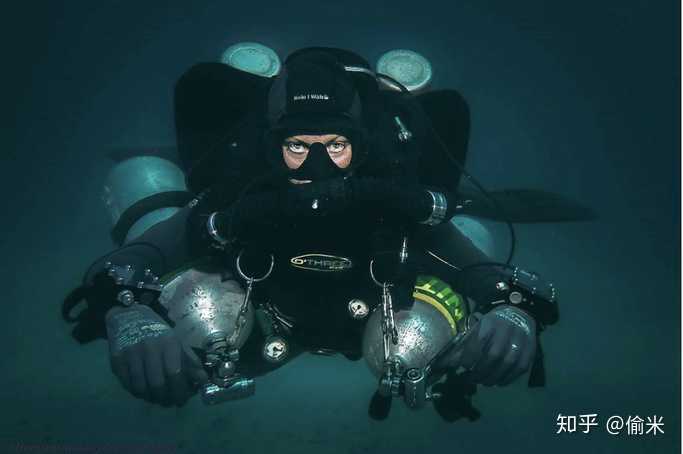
(580, 98)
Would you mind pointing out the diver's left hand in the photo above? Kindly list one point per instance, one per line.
(499, 348)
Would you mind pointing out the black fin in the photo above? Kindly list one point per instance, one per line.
(456, 398)
(379, 407)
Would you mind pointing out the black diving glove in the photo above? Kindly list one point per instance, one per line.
(148, 358)
(498, 349)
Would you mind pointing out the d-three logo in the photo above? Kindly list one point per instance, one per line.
(321, 262)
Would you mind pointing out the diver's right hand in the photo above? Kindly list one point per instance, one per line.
(148, 358)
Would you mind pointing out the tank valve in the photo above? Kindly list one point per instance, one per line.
(238, 388)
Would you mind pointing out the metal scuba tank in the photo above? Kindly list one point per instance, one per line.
(407, 67)
(423, 330)
(142, 191)
(435, 319)
(210, 318)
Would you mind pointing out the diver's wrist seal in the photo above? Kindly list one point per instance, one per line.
(439, 208)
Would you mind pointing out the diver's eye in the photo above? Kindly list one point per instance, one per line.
(296, 147)
(336, 147)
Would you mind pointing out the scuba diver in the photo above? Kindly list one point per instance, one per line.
(318, 221)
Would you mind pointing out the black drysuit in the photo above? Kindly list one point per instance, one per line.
(316, 301)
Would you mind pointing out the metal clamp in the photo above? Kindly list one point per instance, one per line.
(254, 279)
(239, 322)
(389, 331)
(213, 231)
(439, 208)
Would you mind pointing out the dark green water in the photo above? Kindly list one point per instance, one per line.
(577, 97)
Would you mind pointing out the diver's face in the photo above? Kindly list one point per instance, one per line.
(295, 149)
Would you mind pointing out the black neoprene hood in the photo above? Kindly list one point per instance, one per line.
(314, 95)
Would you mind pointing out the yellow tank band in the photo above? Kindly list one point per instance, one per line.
(439, 294)
(438, 306)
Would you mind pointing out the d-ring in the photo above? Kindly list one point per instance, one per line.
(254, 279)
(514, 346)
